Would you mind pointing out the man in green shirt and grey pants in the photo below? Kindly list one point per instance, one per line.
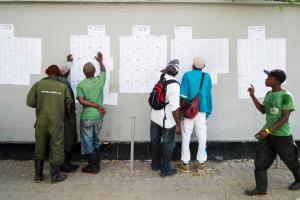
(276, 135)
(90, 95)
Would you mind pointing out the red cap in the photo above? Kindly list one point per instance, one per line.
(53, 70)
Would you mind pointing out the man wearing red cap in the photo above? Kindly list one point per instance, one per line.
(276, 135)
(50, 98)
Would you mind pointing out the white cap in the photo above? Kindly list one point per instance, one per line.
(65, 68)
(198, 62)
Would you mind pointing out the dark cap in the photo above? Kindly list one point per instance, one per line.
(53, 70)
(278, 74)
(172, 67)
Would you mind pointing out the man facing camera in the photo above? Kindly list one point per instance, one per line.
(276, 135)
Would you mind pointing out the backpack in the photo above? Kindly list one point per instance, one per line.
(157, 97)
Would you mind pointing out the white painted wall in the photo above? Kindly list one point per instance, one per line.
(232, 119)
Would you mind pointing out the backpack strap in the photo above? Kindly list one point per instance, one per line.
(165, 117)
(169, 82)
(162, 76)
(172, 81)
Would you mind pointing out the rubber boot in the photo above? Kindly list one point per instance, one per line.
(38, 165)
(69, 156)
(296, 184)
(67, 167)
(55, 176)
(91, 168)
(97, 150)
(261, 179)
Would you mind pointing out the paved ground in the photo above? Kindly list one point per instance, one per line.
(226, 180)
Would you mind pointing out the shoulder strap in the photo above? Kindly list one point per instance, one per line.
(169, 82)
(202, 80)
(162, 76)
(172, 81)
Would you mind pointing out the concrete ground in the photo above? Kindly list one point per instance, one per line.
(226, 180)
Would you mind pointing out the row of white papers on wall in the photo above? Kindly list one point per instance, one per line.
(142, 56)
(84, 48)
(256, 54)
(215, 52)
(19, 57)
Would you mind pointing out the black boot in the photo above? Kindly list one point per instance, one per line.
(69, 157)
(67, 166)
(74, 166)
(296, 184)
(261, 179)
(38, 165)
(98, 157)
(91, 168)
(55, 176)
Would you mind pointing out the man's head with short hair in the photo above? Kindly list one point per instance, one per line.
(89, 69)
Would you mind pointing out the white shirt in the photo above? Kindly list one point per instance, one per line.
(172, 96)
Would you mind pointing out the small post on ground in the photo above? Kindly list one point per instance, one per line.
(277, 162)
(132, 142)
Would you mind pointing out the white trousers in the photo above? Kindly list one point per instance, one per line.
(188, 125)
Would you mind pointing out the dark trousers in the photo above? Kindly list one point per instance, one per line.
(70, 133)
(266, 151)
(168, 140)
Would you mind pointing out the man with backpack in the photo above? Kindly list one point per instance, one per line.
(195, 83)
(165, 119)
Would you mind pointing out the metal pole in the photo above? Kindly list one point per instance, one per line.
(132, 142)
(277, 162)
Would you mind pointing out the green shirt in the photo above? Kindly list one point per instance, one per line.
(50, 97)
(92, 90)
(275, 103)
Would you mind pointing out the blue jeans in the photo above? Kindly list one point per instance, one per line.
(168, 138)
(89, 135)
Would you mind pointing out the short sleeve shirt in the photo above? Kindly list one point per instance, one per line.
(92, 90)
(275, 103)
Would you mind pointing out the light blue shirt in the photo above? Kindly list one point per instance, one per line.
(189, 88)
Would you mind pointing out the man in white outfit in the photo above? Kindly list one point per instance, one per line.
(189, 89)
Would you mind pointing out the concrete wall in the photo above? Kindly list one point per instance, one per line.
(232, 119)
